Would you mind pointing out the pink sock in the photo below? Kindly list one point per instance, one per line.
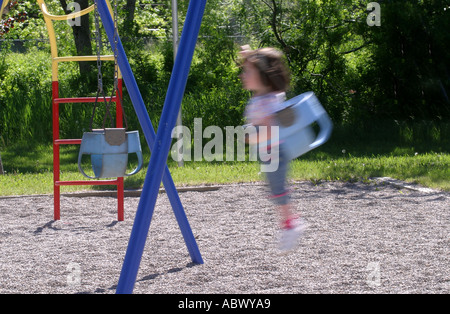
(289, 223)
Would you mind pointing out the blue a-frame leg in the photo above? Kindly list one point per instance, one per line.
(159, 144)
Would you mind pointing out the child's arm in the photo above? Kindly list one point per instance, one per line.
(262, 137)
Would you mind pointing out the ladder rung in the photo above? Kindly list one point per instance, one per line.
(93, 182)
(68, 142)
(82, 100)
(83, 58)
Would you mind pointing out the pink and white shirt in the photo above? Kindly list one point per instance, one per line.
(260, 107)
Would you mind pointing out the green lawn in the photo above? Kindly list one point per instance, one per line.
(29, 168)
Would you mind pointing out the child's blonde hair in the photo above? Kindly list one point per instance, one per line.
(271, 65)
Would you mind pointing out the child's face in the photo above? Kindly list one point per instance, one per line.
(251, 79)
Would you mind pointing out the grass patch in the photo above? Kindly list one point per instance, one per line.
(32, 172)
(429, 169)
(413, 153)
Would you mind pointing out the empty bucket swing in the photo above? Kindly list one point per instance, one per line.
(109, 147)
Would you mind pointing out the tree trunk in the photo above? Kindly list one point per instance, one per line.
(130, 8)
(82, 35)
(1, 165)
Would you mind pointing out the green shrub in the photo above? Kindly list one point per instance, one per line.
(25, 97)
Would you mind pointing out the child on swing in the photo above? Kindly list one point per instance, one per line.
(265, 74)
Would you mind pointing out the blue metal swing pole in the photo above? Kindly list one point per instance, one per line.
(149, 132)
(161, 145)
(1, 4)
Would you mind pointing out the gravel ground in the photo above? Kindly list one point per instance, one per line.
(363, 238)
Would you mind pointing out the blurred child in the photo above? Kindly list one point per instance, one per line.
(265, 74)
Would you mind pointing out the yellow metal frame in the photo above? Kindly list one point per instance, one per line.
(49, 18)
(5, 2)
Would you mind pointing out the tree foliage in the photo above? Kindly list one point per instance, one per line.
(397, 71)
(410, 61)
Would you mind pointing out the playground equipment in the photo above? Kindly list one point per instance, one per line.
(159, 144)
(3, 5)
(296, 121)
(157, 169)
(109, 149)
(57, 100)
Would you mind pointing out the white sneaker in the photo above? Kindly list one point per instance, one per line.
(289, 237)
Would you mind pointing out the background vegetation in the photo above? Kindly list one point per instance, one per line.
(386, 88)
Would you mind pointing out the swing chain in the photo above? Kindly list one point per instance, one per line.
(99, 47)
(100, 89)
(116, 51)
(116, 64)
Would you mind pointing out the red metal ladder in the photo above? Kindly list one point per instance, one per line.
(57, 142)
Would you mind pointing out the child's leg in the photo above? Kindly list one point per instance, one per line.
(279, 193)
(286, 215)
(291, 226)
